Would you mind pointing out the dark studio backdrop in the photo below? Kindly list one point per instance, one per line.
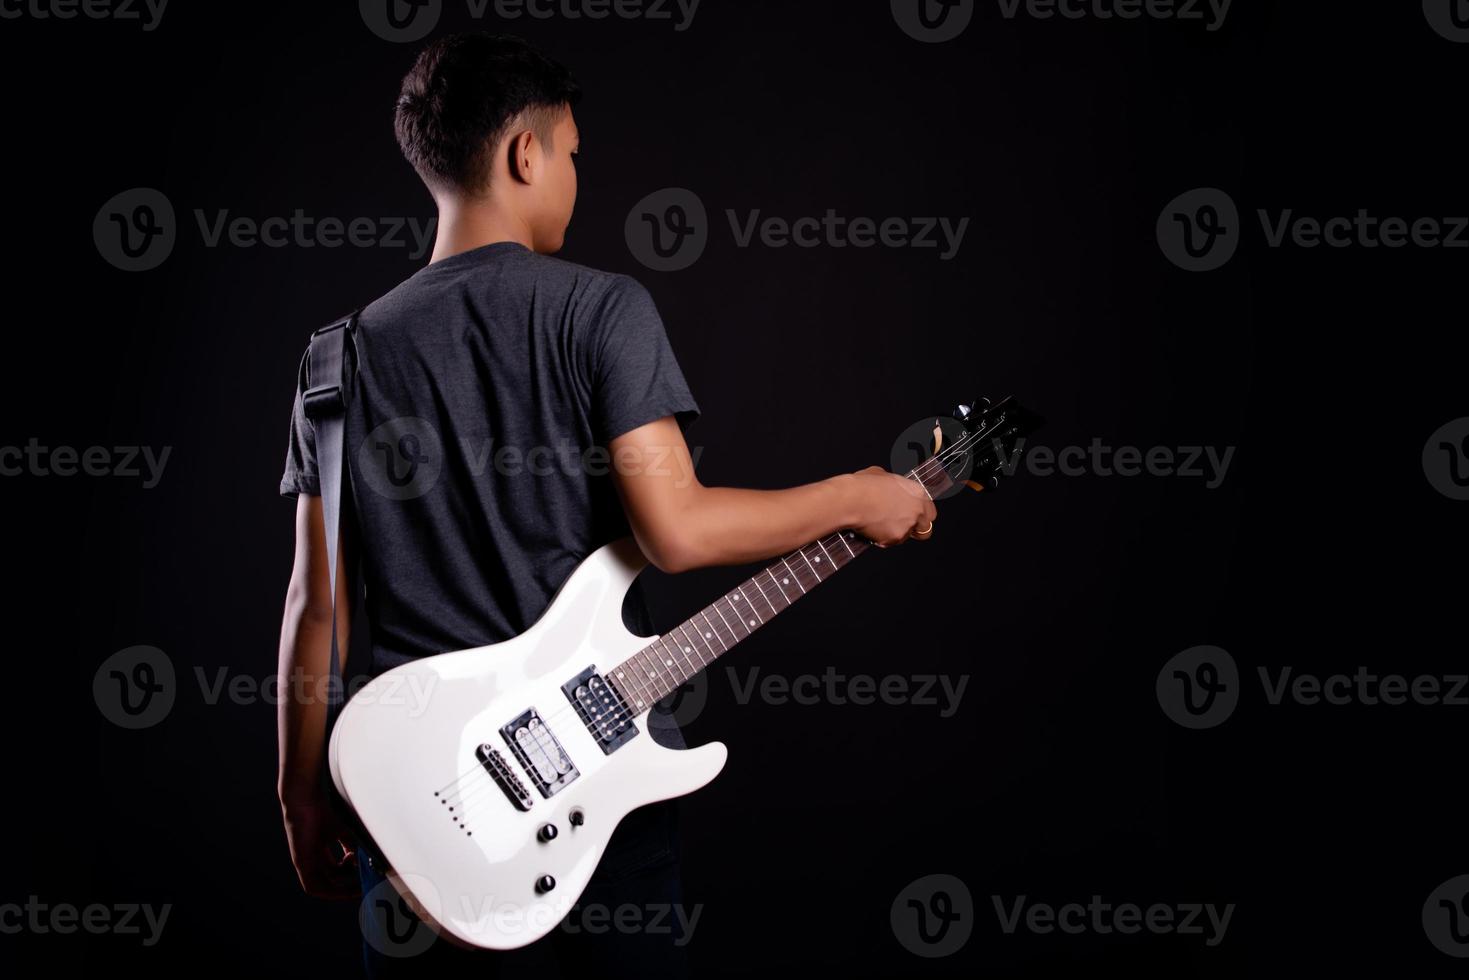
(1067, 766)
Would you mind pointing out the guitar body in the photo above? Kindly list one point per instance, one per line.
(491, 779)
(468, 849)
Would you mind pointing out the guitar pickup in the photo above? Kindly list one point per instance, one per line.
(539, 752)
(504, 776)
(604, 713)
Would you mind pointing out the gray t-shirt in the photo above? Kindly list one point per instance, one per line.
(488, 386)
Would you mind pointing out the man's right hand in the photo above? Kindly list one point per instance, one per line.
(894, 507)
(322, 849)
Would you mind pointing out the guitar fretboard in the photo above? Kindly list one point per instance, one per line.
(656, 671)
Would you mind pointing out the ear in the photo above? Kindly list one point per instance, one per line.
(523, 163)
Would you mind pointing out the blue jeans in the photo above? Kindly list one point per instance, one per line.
(627, 922)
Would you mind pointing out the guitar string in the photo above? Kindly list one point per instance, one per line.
(626, 712)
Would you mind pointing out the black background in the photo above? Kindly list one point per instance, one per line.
(1325, 548)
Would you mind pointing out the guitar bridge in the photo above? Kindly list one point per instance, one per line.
(504, 776)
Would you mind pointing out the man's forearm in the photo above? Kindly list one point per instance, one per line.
(733, 526)
(304, 665)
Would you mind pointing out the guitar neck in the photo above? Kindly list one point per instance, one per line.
(657, 670)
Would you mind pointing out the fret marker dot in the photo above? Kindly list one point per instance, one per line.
(818, 559)
(752, 622)
(669, 663)
(708, 635)
(685, 650)
(785, 581)
(619, 673)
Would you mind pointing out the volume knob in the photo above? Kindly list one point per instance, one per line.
(544, 884)
(548, 832)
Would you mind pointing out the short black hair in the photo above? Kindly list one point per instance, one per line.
(462, 94)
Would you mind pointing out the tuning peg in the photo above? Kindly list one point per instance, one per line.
(964, 412)
(991, 483)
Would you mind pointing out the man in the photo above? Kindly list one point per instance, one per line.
(490, 358)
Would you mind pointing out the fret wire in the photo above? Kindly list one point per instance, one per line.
(737, 594)
(715, 630)
(777, 584)
(794, 575)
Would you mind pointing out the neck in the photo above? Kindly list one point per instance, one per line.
(465, 224)
(656, 671)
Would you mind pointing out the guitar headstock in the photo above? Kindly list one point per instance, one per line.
(991, 442)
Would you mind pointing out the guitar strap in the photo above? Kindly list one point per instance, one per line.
(325, 404)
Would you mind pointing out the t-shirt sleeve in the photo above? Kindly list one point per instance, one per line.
(300, 475)
(635, 378)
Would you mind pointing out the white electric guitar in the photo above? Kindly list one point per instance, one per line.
(493, 795)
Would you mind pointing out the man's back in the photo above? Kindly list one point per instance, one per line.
(488, 385)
